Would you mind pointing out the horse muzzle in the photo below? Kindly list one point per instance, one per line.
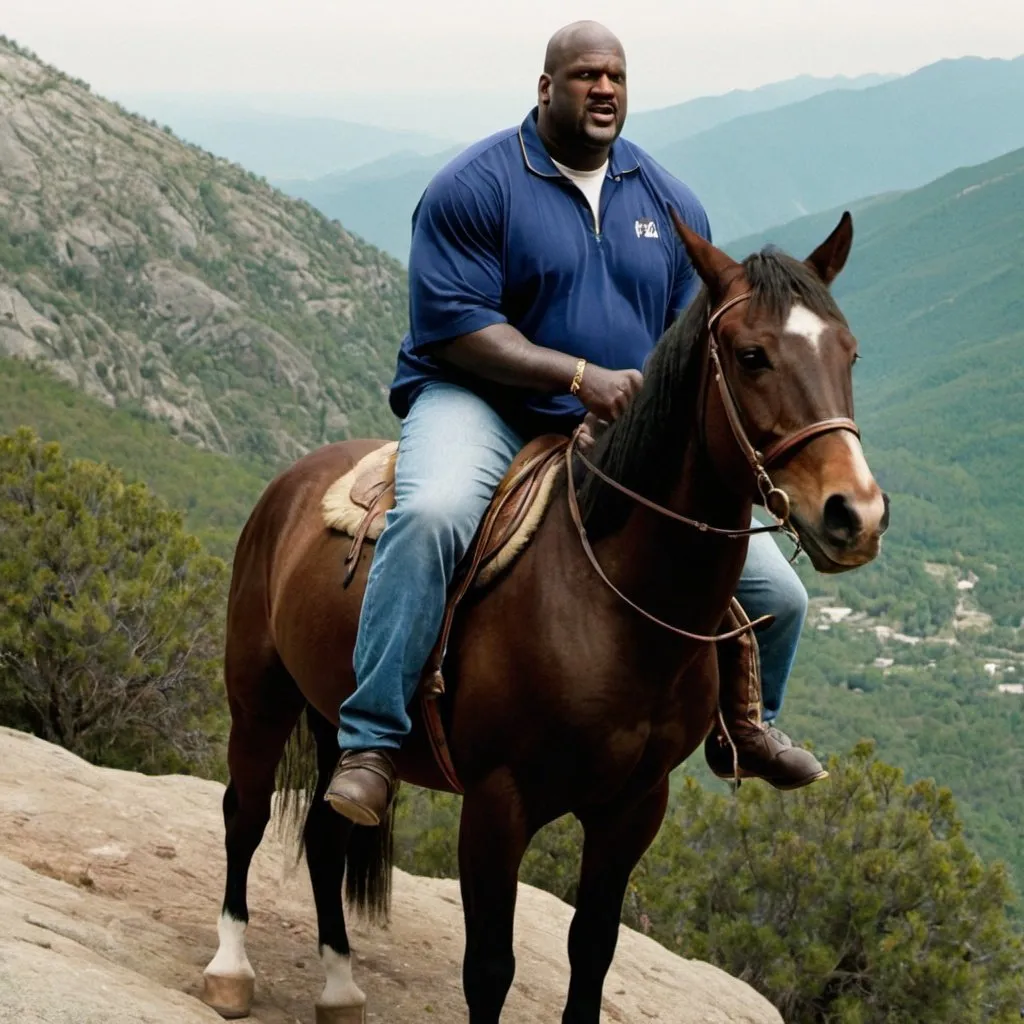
(837, 509)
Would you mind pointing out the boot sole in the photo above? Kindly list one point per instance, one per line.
(354, 812)
(786, 787)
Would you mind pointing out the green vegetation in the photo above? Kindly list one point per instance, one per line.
(855, 901)
(109, 616)
(216, 493)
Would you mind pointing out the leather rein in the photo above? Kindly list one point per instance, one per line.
(776, 500)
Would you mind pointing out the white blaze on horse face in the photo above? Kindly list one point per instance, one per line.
(340, 989)
(863, 478)
(231, 960)
(803, 322)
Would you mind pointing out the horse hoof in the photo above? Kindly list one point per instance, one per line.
(340, 1014)
(230, 997)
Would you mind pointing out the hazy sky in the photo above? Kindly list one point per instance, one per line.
(373, 49)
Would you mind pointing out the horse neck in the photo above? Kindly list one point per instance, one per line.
(677, 572)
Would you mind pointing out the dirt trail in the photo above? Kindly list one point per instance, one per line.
(110, 886)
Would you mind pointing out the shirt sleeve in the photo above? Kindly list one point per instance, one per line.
(685, 281)
(455, 261)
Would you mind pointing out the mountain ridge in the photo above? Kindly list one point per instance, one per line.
(153, 275)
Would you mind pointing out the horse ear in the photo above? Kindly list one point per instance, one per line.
(710, 263)
(830, 257)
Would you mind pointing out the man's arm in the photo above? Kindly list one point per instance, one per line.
(456, 280)
(501, 354)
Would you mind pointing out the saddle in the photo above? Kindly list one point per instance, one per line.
(356, 505)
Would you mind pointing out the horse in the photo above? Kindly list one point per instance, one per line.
(584, 674)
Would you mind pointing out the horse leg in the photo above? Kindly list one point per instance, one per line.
(493, 836)
(260, 725)
(326, 836)
(614, 841)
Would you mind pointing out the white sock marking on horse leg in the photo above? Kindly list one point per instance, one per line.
(231, 960)
(340, 989)
(803, 322)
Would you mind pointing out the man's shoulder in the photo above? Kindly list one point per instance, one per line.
(670, 188)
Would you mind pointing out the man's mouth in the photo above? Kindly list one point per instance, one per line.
(602, 114)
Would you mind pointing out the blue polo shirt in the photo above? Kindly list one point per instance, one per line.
(500, 235)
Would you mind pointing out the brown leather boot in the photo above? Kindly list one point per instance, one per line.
(762, 752)
(362, 786)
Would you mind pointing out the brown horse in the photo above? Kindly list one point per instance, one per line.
(563, 698)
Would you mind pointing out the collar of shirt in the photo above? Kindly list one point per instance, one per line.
(621, 158)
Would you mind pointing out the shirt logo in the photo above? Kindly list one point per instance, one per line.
(646, 227)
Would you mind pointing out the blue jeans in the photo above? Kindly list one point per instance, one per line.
(452, 453)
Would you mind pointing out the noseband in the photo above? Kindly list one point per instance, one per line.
(776, 500)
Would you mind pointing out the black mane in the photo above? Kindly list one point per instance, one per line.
(643, 449)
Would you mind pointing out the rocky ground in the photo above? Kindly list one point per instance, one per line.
(110, 885)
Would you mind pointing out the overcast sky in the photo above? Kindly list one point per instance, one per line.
(676, 49)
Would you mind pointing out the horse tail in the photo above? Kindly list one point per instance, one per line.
(295, 781)
(369, 853)
(368, 863)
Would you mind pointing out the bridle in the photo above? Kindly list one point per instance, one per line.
(776, 500)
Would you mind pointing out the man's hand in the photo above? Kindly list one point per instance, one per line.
(589, 431)
(606, 393)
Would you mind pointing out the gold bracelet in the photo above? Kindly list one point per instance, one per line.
(577, 380)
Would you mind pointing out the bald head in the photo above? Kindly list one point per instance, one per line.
(571, 41)
(581, 96)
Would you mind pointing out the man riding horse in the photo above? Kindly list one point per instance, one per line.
(539, 283)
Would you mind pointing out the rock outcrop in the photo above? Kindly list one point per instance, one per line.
(158, 277)
(110, 884)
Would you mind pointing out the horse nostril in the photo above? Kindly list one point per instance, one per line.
(842, 523)
(884, 524)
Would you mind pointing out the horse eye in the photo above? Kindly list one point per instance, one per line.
(856, 358)
(753, 358)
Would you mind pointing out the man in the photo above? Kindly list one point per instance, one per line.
(543, 269)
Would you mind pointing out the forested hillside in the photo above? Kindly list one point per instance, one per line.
(153, 275)
(924, 649)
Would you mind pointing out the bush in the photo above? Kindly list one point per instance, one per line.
(856, 901)
(110, 616)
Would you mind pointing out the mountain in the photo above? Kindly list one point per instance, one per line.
(757, 169)
(376, 201)
(769, 168)
(157, 277)
(655, 129)
(934, 291)
(283, 145)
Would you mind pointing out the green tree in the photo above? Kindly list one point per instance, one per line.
(110, 615)
(856, 901)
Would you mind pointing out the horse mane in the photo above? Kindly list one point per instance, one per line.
(643, 449)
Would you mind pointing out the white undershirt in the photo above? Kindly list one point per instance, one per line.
(589, 183)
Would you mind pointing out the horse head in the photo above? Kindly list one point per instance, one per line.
(778, 395)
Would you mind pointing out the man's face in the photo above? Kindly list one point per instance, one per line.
(586, 97)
